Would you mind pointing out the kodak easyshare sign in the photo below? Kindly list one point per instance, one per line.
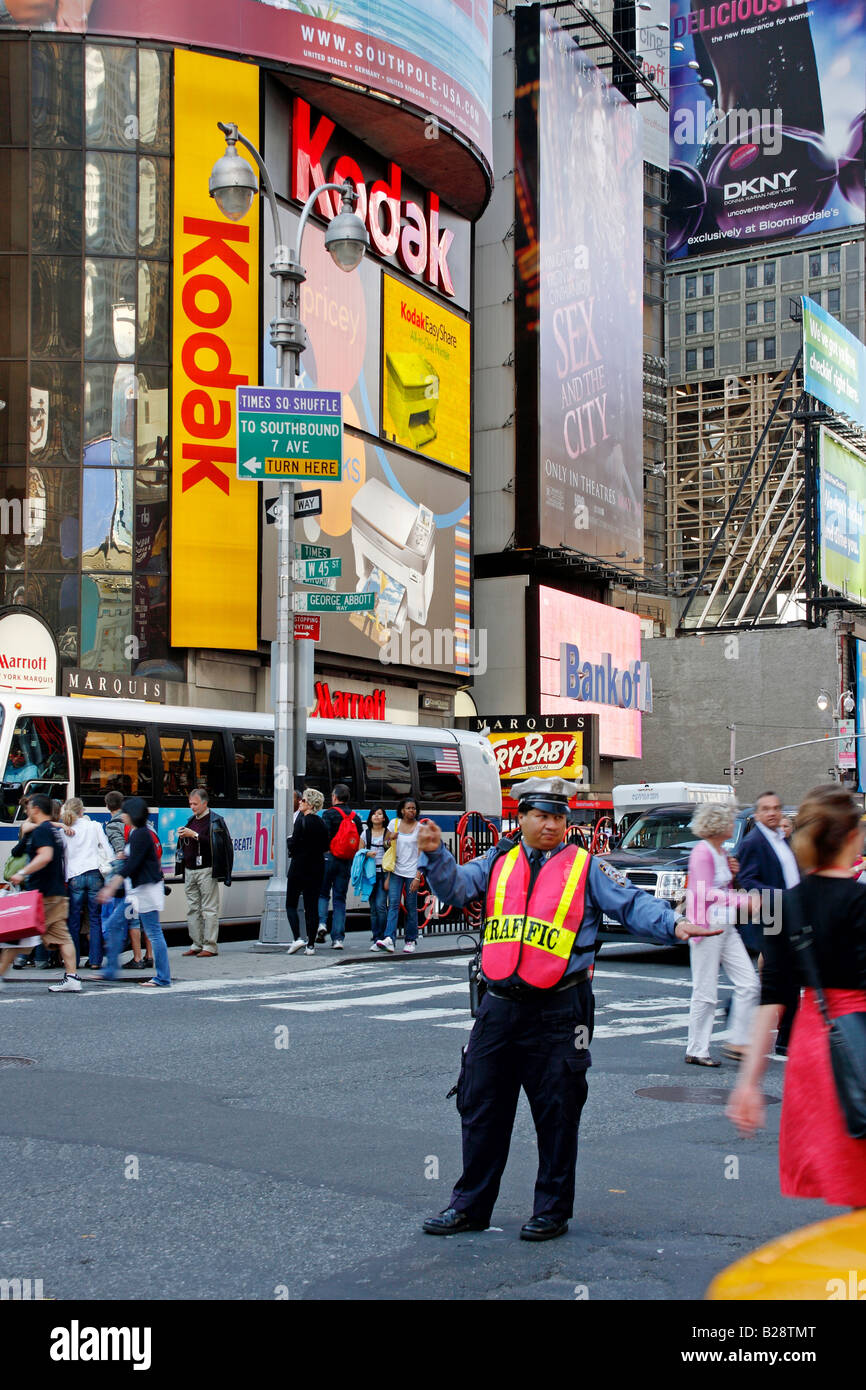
(214, 541)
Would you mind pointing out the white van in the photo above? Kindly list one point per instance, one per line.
(641, 796)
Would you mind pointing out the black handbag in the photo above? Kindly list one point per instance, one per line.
(846, 1035)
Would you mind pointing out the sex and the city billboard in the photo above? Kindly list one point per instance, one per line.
(766, 121)
(578, 287)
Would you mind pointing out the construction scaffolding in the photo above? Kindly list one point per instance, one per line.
(737, 477)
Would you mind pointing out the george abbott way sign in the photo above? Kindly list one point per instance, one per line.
(28, 654)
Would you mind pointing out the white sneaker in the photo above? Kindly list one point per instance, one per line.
(409, 948)
(386, 944)
(70, 984)
(309, 950)
(337, 946)
(296, 946)
(374, 945)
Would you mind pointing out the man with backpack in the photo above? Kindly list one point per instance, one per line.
(344, 839)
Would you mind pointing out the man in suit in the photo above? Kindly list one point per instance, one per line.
(767, 862)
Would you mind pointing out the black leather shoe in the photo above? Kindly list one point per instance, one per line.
(450, 1222)
(543, 1228)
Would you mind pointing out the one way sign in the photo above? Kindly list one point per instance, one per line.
(306, 504)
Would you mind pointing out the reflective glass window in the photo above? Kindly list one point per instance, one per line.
(709, 282)
(691, 324)
(834, 262)
(106, 621)
(751, 349)
(110, 203)
(769, 311)
(14, 420)
(178, 768)
(386, 769)
(691, 287)
(109, 415)
(751, 277)
(14, 517)
(210, 763)
(440, 777)
(815, 263)
(254, 765)
(691, 359)
(154, 99)
(153, 311)
(54, 510)
(752, 312)
(769, 348)
(54, 412)
(151, 536)
(709, 319)
(110, 97)
(56, 196)
(770, 273)
(56, 598)
(106, 520)
(13, 306)
(14, 213)
(154, 206)
(57, 88)
(14, 112)
(151, 419)
(112, 758)
(833, 301)
(708, 358)
(109, 308)
(151, 617)
(55, 306)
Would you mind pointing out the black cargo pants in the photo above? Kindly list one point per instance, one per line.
(539, 1043)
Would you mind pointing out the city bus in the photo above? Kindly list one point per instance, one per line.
(86, 747)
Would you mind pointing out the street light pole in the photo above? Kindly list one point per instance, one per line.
(346, 239)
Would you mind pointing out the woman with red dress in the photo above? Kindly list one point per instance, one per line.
(817, 1156)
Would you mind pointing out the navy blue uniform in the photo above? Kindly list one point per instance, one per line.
(535, 1039)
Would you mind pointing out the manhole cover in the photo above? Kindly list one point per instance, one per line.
(693, 1095)
(17, 1061)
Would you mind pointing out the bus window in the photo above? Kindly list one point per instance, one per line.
(210, 763)
(111, 758)
(178, 769)
(387, 770)
(440, 779)
(317, 774)
(254, 765)
(37, 754)
(342, 764)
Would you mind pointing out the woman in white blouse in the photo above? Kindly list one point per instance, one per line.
(88, 855)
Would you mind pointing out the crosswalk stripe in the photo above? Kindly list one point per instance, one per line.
(349, 1002)
(412, 1015)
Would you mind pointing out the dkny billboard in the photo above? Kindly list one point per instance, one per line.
(766, 121)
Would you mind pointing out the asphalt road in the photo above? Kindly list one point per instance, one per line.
(277, 1132)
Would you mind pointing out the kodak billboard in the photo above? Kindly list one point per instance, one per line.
(214, 536)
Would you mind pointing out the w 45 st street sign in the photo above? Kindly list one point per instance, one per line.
(289, 434)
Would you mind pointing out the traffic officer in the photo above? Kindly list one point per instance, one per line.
(544, 901)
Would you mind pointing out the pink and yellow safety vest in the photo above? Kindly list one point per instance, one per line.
(529, 938)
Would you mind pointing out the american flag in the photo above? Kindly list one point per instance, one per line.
(448, 760)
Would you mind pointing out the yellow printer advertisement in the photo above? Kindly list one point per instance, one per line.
(425, 376)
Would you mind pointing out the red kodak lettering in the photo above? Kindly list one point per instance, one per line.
(209, 456)
(307, 153)
(206, 318)
(216, 235)
(413, 240)
(383, 195)
(440, 245)
(219, 377)
(198, 418)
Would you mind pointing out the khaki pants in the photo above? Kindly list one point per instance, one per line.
(203, 908)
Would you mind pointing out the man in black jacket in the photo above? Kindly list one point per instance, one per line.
(207, 859)
(767, 862)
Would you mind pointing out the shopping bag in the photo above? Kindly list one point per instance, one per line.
(21, 914)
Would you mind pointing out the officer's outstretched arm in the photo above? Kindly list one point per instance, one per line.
(452, 882)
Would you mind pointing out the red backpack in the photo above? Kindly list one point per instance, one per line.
(347, 840)
(157, 843)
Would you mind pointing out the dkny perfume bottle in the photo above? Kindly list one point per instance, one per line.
(753, 193)
(851, 170)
